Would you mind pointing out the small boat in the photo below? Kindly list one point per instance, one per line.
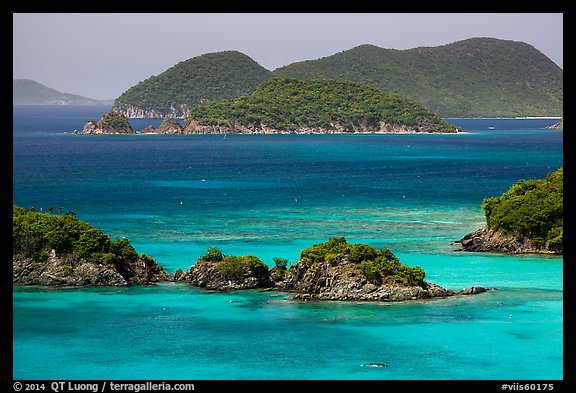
(491, 127)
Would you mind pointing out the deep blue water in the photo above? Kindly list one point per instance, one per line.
(273, 195)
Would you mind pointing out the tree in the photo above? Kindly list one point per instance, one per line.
(213, 254)
(280, 263)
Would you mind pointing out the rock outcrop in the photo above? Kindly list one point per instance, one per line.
(206, 274)
(60, 270)
(558, 126)
(488, 240)
(315, 281)
(110, 123)
(345, 281)
(169, 126)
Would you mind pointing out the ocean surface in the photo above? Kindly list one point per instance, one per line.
(274, 195)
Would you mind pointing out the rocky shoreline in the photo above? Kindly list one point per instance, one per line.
(307, 281)
(488, 240)
(68, 271)
(315, 281)
(121, 125)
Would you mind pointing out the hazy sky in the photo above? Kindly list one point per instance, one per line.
(102, 55)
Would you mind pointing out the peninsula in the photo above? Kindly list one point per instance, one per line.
(527, 218)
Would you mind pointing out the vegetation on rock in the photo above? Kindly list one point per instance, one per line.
(286, 104)
(114, 122)
(377, 265)
(35, 235)
(530, 208)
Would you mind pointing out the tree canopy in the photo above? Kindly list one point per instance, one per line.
(288, 104)
(531, 208)
(377, 265)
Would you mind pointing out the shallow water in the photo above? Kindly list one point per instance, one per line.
(174, 196)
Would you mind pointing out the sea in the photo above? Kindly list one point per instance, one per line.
(173, 196)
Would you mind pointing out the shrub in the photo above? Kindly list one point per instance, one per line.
(34, 234)
(213, 254)
(280, 263)
(376, 265)
(233, 266)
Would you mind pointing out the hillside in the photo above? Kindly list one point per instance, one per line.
(315, 106)
(29, 92)
(478, 77)
(196, 81)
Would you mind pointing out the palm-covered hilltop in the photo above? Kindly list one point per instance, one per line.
(315, 105)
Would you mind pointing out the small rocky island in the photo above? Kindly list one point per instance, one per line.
(528, 218)
(110, 123)
(335, 270)
(60, 250)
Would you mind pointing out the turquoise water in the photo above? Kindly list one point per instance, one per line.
(173, 196)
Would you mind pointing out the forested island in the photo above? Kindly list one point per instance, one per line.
(59, 250)
(288, 105)
(527, 218)
(335, 270)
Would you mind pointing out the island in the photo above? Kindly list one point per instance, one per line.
(29, 92)
(59, 250)
(315, 106)
(527, 218)
(332, 271)
(110, 123)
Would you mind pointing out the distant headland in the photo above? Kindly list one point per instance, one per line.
(29, 92)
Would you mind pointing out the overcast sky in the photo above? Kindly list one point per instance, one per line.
(101, 55)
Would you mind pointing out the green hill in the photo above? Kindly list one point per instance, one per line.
(315, 105)
(477, 77)
(29, 92)
(196, 81)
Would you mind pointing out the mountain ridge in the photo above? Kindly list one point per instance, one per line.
(475, 77)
